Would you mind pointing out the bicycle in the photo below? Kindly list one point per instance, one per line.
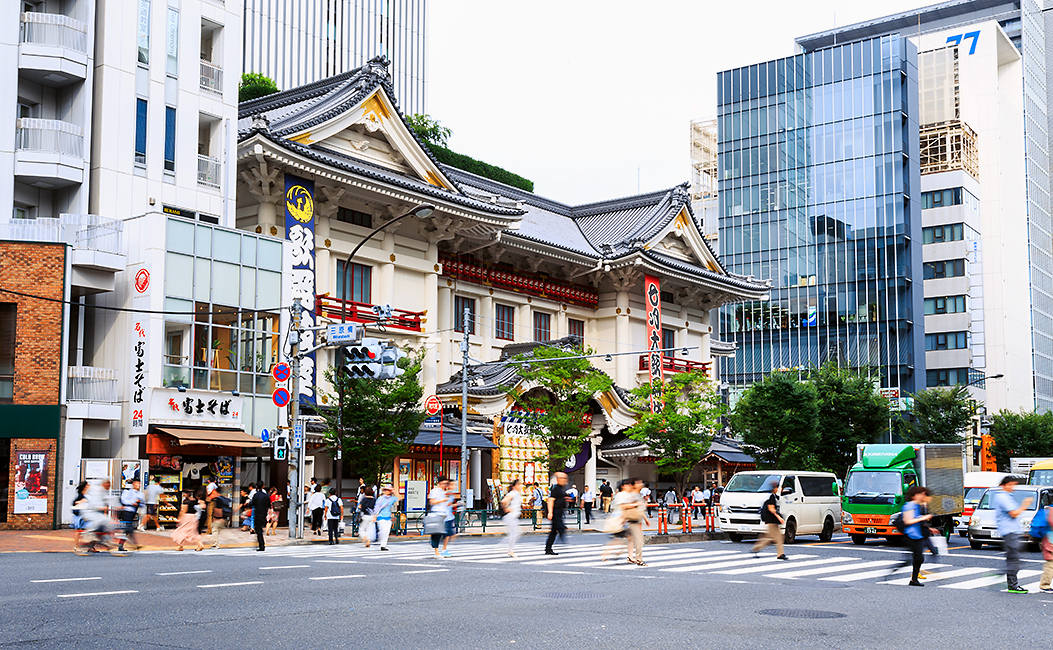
(93, 541)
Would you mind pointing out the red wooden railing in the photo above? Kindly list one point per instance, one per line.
(675, 364)
(505, 277)
(359, 312)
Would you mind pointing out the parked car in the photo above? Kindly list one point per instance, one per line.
(809, 502)
(976, 484)
(982, 527)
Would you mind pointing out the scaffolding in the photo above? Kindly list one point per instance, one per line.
(948, 146)
(703, 159)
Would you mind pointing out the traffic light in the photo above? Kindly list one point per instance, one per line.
(363, 361)
(281, 447)
(389, 358)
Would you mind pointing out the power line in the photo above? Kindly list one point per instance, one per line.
(135, 311)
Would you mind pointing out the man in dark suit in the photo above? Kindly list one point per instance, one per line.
(261, 503)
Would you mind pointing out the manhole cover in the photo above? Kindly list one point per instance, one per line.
(580, 595)
(801, 613)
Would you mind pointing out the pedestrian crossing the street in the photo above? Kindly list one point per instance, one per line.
(726, 563)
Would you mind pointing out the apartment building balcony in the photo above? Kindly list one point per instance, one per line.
(91, 393)
(358, 312)
(209, 172)
(48, 153)
(52, 48)
(97, 252)
(211, 77)
(673, 364)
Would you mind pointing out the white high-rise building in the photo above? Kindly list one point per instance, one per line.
(297, 42)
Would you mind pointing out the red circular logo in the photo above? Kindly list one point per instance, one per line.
(142, 281)
(433, 405)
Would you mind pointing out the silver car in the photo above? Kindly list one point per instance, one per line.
(982, 528)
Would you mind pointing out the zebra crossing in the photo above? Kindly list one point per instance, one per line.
(730, 563)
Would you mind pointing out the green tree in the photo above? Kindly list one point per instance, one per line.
(1027, 435)
(559, 396)
(776, 419)
(254, 84)
(851, 412)
(681, 431)
(381, 418)
(940, 415)
(429, 130)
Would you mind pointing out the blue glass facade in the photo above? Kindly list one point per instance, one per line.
(818, 155)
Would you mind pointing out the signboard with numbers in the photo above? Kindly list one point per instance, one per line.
(195, 407)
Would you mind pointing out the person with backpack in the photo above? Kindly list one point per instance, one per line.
(606, 494)
(334, 514)
(1042, 528)
(917, 537)
(366, 502)
(769, 515)
(1006, 512)
(537, 499)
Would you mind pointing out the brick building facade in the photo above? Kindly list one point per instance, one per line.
(31, 335)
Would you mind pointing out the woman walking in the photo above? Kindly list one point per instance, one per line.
(382, 509)
(186, 527)
(616, 523)
(274, 512)
(512, 503)
(634, 512)
(917, 498)
(365, 506)
(316, 504)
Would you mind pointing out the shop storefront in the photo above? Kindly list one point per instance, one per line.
(427, 459)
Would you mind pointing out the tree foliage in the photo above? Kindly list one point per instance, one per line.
(429, 130)
(941, 415)
(254, 85)
(559, 394)
(680, 433)
(1027, 435)
(851, 412)
(436, 137)
(777, 418)
(381, 418)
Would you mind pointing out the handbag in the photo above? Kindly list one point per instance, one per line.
(614, 525)
(434, 523)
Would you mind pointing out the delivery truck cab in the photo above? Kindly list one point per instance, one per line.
(976, 485)
(809, 503)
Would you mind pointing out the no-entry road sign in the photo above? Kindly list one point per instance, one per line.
(433, 405)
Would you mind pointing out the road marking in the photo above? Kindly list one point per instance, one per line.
(290, 566)
(427, 571)
(229, 584)
(759, 569)
(403, 564)
(183, 573)
(828, 569)
(338, 561)
(336, 577)
(958, 548)
(988, 580)
(939, 575)
(827, 543)
(665, 561)
(67, 579)
(98, 593)
(570, 573)
(697, 568)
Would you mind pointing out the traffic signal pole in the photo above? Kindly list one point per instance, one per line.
(295, 490)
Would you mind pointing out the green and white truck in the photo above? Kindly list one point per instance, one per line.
(876, 486)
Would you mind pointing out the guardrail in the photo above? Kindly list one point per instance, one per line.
(361, 312)
(90, 384)
(87, 231)
(209, 171)
(474, 521)
(211, 77)
(675, 364)
(56, 30)
(52, 136)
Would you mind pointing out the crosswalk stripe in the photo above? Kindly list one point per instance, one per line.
(828, 569)
(753, 561)
(865, 575)
(563, 558)
(988, 581)
(668, 562)
(938, 575)
(754, 569)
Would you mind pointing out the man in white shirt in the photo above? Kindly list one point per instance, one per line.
(332, 521)
(130, 501)
(707, 496)
(588, 498)
(153, 494)
(645, 494)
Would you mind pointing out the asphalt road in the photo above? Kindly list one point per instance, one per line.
(701, 595)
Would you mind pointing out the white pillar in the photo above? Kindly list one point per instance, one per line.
(386, 284)
(524, 324)
(705, 351)
(624, 363)
(475, 461)
(484, 329)
(431, 296)
(590, 466)
(444, 322)
(268, 216)
(322, 272)
(561, 323)
(72, 446)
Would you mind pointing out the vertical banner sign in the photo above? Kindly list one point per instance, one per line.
(653, 298)
(139, 352)
(299, 226)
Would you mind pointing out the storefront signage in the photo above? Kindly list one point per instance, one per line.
(195, 407)
(653, 299)
(300, 269)
(416, 495)
(139, 352)
(31, 483)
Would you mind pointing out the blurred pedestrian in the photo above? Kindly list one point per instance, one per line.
(512, 504)
(617, 525)
(439, 501)
(274, 512)
(1045, 584)
(645, 492)
(261, 503)
(915, 531)
(537, 499)
(334, 514)
(708, 495)
(670, 505)
(606, 494)
(211, 492)
(153, 493)
(246, 509)
(186, 526)
(365, 510)
(770, 516)
(383, 509)
(588, 498)
(130, 501)
(557, 503)
(633, 510)
(1006, 513)
(316, 506)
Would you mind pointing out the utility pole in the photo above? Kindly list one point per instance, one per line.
(464, 409)
(295, 493)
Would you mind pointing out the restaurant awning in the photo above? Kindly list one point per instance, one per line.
(222, 437)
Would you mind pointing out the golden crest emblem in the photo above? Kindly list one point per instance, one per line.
(299, 203)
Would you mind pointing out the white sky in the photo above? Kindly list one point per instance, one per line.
(577, 95)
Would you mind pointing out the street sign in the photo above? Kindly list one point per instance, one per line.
(298, 436)
(892, 395)
(281, 372)
(281, 397)
(342, 333)
(433, 405)
(265, 435)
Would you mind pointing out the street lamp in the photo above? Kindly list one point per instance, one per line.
(984, 378)
(420, 211)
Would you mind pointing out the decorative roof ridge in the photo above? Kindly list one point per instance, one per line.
(293, 95)
(507, 191)
(623, 203)
(662, 258)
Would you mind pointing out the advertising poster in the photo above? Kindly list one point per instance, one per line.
(299, 226)
(653, 298)
(131, 470)
(31, 483)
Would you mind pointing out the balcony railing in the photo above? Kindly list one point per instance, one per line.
(88, 231)
(52, 136)
(209, 171)
(55, 30)
(359, 312)
(211, 77)
(89, 384)
(676, 364)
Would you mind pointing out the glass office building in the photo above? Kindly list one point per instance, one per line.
(818, 158)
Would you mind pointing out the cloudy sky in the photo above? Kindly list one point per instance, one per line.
(593, 99)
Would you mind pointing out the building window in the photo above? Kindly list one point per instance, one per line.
(946, 377)
(7, 351)
(169, 139)
(504, 322)
(144, 32)
(668, 341)
(948, 197)
(459, 305)
(354, 217)
(945, 305)
(947, 341)
(576, 328)
(140, 131)
(944, 269)
(361, 287)
(940, 234)
(542, 326)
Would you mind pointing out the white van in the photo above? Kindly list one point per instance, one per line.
(809, 502)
